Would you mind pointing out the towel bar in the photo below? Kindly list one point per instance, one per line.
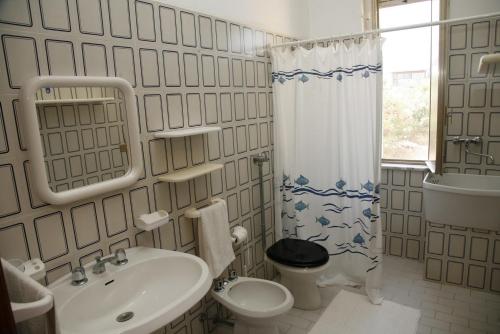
(193, 213)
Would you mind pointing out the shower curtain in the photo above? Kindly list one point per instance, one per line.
(327, 134)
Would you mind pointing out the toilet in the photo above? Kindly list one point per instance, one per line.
(255, 303)
(300, 262)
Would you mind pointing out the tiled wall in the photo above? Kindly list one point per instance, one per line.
(403, 221)
(473, 99)
(187, 70)
(465, 256)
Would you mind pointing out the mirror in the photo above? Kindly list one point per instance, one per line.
(83, 131)
(83, 136)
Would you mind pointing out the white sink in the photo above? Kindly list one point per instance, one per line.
(463, 200)
(156, 285)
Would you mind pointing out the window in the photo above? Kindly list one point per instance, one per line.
(407, 92)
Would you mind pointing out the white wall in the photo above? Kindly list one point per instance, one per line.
(288, 17)
(310, 18)
(334, 17)
(463, 8)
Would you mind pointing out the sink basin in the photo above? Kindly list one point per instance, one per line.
(155, 287)
(22, 290)
(464, 200)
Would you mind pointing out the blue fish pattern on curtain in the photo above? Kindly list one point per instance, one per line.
(327, 134)
(297, 197)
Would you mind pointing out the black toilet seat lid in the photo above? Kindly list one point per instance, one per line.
(298, 253)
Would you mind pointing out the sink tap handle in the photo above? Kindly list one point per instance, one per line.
(475, 140)
(78, 276)
(219, 285)
(232, 275)
(120, 256)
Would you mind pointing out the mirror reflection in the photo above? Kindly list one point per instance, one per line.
(84, 135)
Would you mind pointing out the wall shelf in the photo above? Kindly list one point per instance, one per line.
(74, 101)
(187, 132)
(190, 173)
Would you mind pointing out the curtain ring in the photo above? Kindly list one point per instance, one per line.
(347, 42)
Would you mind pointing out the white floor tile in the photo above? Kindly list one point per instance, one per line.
(444, 309)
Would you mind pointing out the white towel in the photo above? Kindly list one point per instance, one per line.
(215, 238)
(24, 289)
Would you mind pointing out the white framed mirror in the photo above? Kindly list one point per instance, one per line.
(82, 135)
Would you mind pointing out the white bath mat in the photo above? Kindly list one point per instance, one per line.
(351, 313)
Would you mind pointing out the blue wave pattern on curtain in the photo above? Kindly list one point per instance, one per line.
(282, 76)
(327, 135)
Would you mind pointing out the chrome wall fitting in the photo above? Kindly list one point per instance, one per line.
(475, 140)
(259, 159)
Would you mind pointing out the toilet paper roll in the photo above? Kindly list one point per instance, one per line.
(240, 234)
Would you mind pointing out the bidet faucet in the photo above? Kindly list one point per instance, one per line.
(120, 258)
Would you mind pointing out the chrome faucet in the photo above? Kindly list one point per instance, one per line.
(120, 258)
(467, 141)
(78, 276)
(473, 140)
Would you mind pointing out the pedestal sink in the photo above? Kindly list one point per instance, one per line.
(155, 287)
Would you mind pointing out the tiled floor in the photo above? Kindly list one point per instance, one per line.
(444, 308)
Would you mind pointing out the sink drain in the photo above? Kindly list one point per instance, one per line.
(125, 316)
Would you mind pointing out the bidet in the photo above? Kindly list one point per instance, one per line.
(255, 303)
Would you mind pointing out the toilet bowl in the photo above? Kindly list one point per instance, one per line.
(255, 303)
(300, 263)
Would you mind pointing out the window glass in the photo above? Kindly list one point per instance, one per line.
(407, 81)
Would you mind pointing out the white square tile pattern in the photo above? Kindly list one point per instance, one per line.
(461, 256)
(188, 70)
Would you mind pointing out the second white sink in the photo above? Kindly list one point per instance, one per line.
(463, 200)
(156, 286)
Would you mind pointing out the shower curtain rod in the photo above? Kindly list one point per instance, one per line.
(379, 31)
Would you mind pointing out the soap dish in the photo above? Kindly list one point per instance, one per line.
(150, 221)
